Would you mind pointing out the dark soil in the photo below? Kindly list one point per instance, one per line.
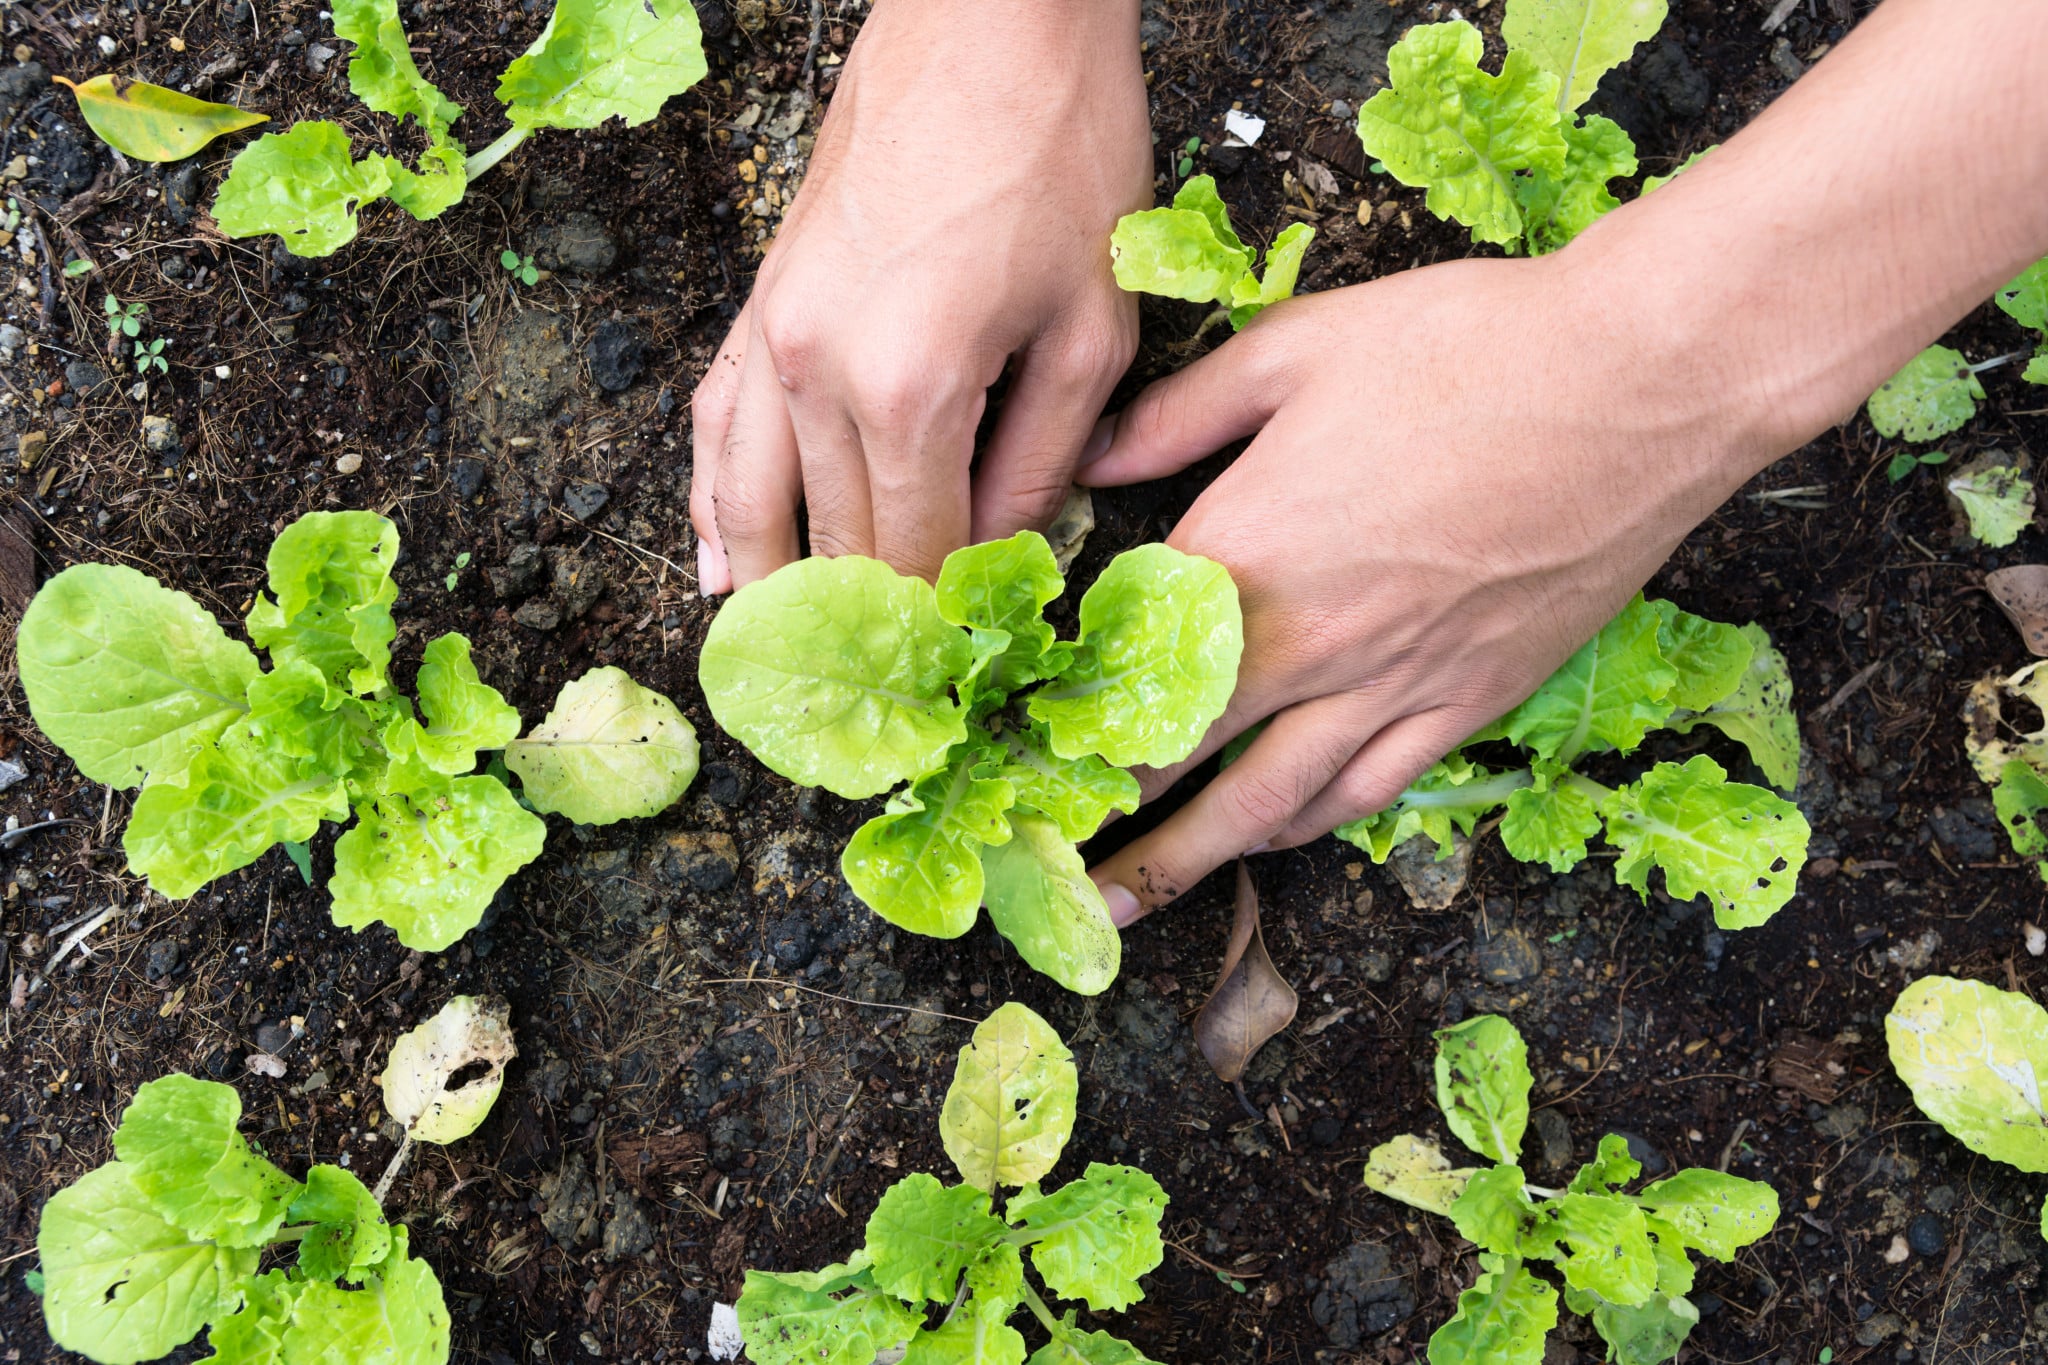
(724, 1057)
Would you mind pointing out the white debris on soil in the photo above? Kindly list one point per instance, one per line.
(265, 1064)
(1247, 127)
(2037, 939)
(724, 1340)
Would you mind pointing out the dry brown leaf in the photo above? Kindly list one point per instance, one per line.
(1252, 1001)
(17, 564)
(2022, 594)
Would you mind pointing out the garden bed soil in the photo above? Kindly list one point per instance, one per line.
(724, 1058)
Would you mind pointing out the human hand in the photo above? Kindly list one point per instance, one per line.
(955, 219)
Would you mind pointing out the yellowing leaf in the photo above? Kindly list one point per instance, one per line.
(151, 123)
(417, 1075)
(1010, 1108)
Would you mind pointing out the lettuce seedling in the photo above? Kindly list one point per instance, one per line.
(1623, 1257)
(142, 688)
(1997, 499)
(595, 60)
(953, 1248)
(142, 1254)
(1653, 667)
(1509, 155)
(843, 674)
(1973, 1056)
(1190, 251)
(2025, 301)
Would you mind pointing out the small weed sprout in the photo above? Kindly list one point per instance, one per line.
(124, 319)
(521, 267)
(149, 355)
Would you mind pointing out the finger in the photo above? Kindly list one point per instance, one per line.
(711, 407)
(835, 480)
(1242, 808)
(918, 451)
(1376, 775)
(1055, 400)
(759, 477)
(1223, 397)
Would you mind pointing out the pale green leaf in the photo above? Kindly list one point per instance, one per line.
(1658, 181)
(1482, 1085)
(1188, 251)
(1999, 502)
(1610, 1169)
(289, 717)
(330, 576)
(1608, 1243)
(124, 675)
(1711, 658)
(348, 1233)
(1935, 394)
(1250, 296)
(1501, 1320)
(2025, 300)
(1040, 898)
(1975, 1057)
(382, 74)
(1095, 1236)
(1072, 1346)
(1557, 208)
(1453, 795)
(2037, 368)
(922, 1235)
(1077, 793)
(1011, 1105)
(1004, 585)
(254, 1334)
(464, 713)
(609, 750)
(179, 1142)
(427, 864)
(397, 1318)
(1549, 821)
(1579, 41)
(303, 185)
(1608, 695)
(1417, 1173)
(995, 1280)
(1740, 846)
(2019, 796)
(967, 1338)
(1648, 1333)
(1198, 194)
(437, 186)
(152, 123)
(601, 59)
(419, 1073)
(229, 807)
(1674, 1268)
(1758, 713)
(919, 863)
(793, 1319)
(1493, 1210)
(1712, 1212)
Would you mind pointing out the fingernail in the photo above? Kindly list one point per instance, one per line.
(1098, 441)
(1266, 847)
(714, 575)
(1124, 909)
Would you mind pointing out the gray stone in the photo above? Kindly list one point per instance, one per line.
(585, 500)
(579, 244)
(1879, 1328)
(183, 193)
(84, 378)
(535, 366)
(1554, 1133)
(1432, 883)
(1927, 1234)
(466, 478)
(707, 862)
(1361, 1296)
(1507, 957)
(1842, 1122)
(569, 1198)
(576, 583)
(538, 616)
(273, 1038)
(520, 575)
(1375, 966)
(627, 1232)
(163, 959)
(11, 770)
(12, 339)
(618, 353)
(160, 435)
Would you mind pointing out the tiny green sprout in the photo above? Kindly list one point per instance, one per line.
(1186, 166)
(1827, 1355)
(150, 355)
(124, 319)
(1194, 145)
(1232, 1280)
(1906, 461)
(522, 267)
(76, 266)
(33, 1281)
(455, 570)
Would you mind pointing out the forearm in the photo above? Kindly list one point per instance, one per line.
(1888, 193)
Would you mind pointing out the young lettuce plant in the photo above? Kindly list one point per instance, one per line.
(1190, 251)
(951, 1248)
(1653, 667)
(1509, 156)
(1623, 1258)
(595, 60)
(2013, 761)
(1972, 1055)
(140, 686)
(843, 674)
(2025, 301)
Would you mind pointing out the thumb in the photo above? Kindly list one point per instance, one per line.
(1225, 396)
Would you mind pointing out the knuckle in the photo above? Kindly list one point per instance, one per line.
(739, 510)
(892, 396)
(795, 341)
(1097, 352)
(1262, 800)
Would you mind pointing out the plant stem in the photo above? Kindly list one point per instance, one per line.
(482, 161)
(1587, 786)
(1485, 792)
(391, 1171)
(1039, 1310)
(1998, 360)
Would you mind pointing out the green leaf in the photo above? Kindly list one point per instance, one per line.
(1648, 1333)
(1999, 502)
(1011, 1104)
(124, 675)
(1579, 41)
(2037, 368)
(330, 573)
(1658, 181)
(230, 807)
(1095, 1236)
(1550, 821)
(1935, 394)
(418, 1079)
(1608, 695)
(922, 1235)
(2019, 796)
(437, 186)
(793, 1319)
(1199, 195)
(427, 864)
(382, 74)
(919, 863)
(1974, 1057)
(1610, 1253)
(1711, 658)
(1501, 1320)
(303, 185)
(1711, 1212)
(1040, 898)
(1161, 633)
(254, 1333)
(464, 713)
(1674, 1267)
(1557, 208)
(1463, 134)
(121, 1282)
(1758, 713)
(1482, 1085)
(151, 123)
(2025, 300)
(1077, 793)
(1071, 1346)
(1416, 1173)
(1004, 585)
(397, 1318)
(835, 673)
(1493, 1210)
(1455, 794)
(1249, 296)
(1740, 846)
(1187, 252)
(609, 750)
(179, 1142)
(600, 59)
(967, 1338)
(289, 717)
(349, 1232)
(1610, 1169)
(995, 1280)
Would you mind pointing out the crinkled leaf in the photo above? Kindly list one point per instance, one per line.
(1711, 658)
(836, 674)
(922, 1235)
(1658, 181)
(790, 1319)
(397, 1318)
(231, 806)
(437, 186)
(383, 74)
(967, 1338)
(289, 717)
(2025, 300)
(1758, 713)
(464, 713)
(1249, 296)
(330, 574)
(418, 1075)
(428, 863)
(1482, 1085)
(1549, 821)
(2019, 796)
(1004, 585)
(1607, 1245)
(1463, 134)
(304, 185)
(151, 123)
(1417, 1173)
(126, 676)
(1501, 1320)
(600, 59)
(1648, 1333)
(919, 863)
(1189, 251)
(1740, 846)
(1610, 1169)
(1198, 194)
(1608, 695)
(1711, 1212)
(1434, 805)
(1072, 1346)
(995, 1279)
(1040, 898)
(1077, 793)
(1557, 208)
(1095, 1236)
(1011, 1104)
(1999, 502)
(254, 1334)
(1932, 396)
(179, 1140)
(1161, 633)
(349, 1232)
(121, 1282)
(609, 750)
(1674, 1268)
(1974, 1057)
(1579, 41)
(1493, 1210)
(1990, 740)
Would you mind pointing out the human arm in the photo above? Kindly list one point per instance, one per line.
(1461, 472)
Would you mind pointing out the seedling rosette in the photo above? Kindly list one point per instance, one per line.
(1190, 251)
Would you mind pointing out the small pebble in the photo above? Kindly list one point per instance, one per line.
(1926, 1234)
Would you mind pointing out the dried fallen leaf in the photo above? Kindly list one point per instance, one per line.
(2021, 592)
(419, 1076)
(1251, 1002)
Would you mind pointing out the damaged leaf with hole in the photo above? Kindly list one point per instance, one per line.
(443, 1077)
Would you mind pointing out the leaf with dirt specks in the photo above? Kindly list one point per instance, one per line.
(2021, 591)
(1252, 1001)
(418, 1078)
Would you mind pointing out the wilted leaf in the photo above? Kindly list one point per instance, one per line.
(2021, 592)
(419, 1075)
(1252, 1001)
(151, 123)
